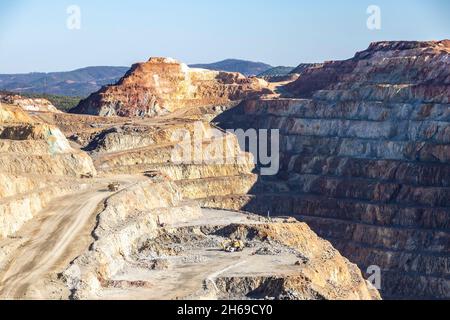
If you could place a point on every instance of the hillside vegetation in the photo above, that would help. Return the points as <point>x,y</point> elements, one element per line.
<point>248,68</point>
<point>76,83</point>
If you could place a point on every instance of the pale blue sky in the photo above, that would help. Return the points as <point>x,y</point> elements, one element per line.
<point>34,37</point>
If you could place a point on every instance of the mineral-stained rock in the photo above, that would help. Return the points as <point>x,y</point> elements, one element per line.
<point>394,71</point>
<point>163,85</point>
<point>151,238</point>
<point>365,161</point>
<point>324,273</point>
<point>29,104</point>
<point>151,210</point>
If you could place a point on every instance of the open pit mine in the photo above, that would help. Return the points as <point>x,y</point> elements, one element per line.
<point>94,204</point>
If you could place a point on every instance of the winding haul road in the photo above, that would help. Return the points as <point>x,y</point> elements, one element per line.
<point>52,239</point>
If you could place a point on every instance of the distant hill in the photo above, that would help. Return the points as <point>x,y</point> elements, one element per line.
<point>248,68</point>
<point>276,72</point>
<point>76,83</point>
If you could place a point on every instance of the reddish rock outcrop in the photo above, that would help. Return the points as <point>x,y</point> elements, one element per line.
<point>163,85</point>
<point>365,152</point>
<point>398,71</point>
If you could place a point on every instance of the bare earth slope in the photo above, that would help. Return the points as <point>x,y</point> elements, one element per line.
<point>151,235</point>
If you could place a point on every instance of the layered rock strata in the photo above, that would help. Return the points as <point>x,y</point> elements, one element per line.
<point>37,163</point>
<point>153,233</point>
<point>205,173</point>
<point>150,241</point>
<point>365,149</point>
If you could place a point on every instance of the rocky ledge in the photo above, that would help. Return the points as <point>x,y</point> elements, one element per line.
<point>365,147</point>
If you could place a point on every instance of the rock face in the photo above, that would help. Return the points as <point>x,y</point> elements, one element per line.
<point>29,104</point>
<point>163,85</point>
<point>393,71</point>
<point>155,234</point>
<point>37,164</point>
<point>153,240</point>
<point>366,161</point>
<point>127,219</point>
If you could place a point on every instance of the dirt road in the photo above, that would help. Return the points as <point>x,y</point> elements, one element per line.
<point>51,240</point>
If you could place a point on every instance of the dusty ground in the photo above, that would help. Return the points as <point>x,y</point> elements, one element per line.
<point>49,242</point>
<point>63,231</point>
<point>188,260</point>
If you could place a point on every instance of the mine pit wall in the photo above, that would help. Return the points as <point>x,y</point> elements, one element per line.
<point>37,164</point>
<point>27,187</point>
<point>221,173</point>
<point>371,177</point>
<point>128,219</point>
<point>30,181</point>
<point>22,208</point>
<point>118,139</point>
<point>327,276</point>
<point>134,216</point>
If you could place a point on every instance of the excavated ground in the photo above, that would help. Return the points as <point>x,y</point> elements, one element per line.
<point>47,244</point>
<point>151,240</point>
<point>186,262</point>
<point>364,161</point>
